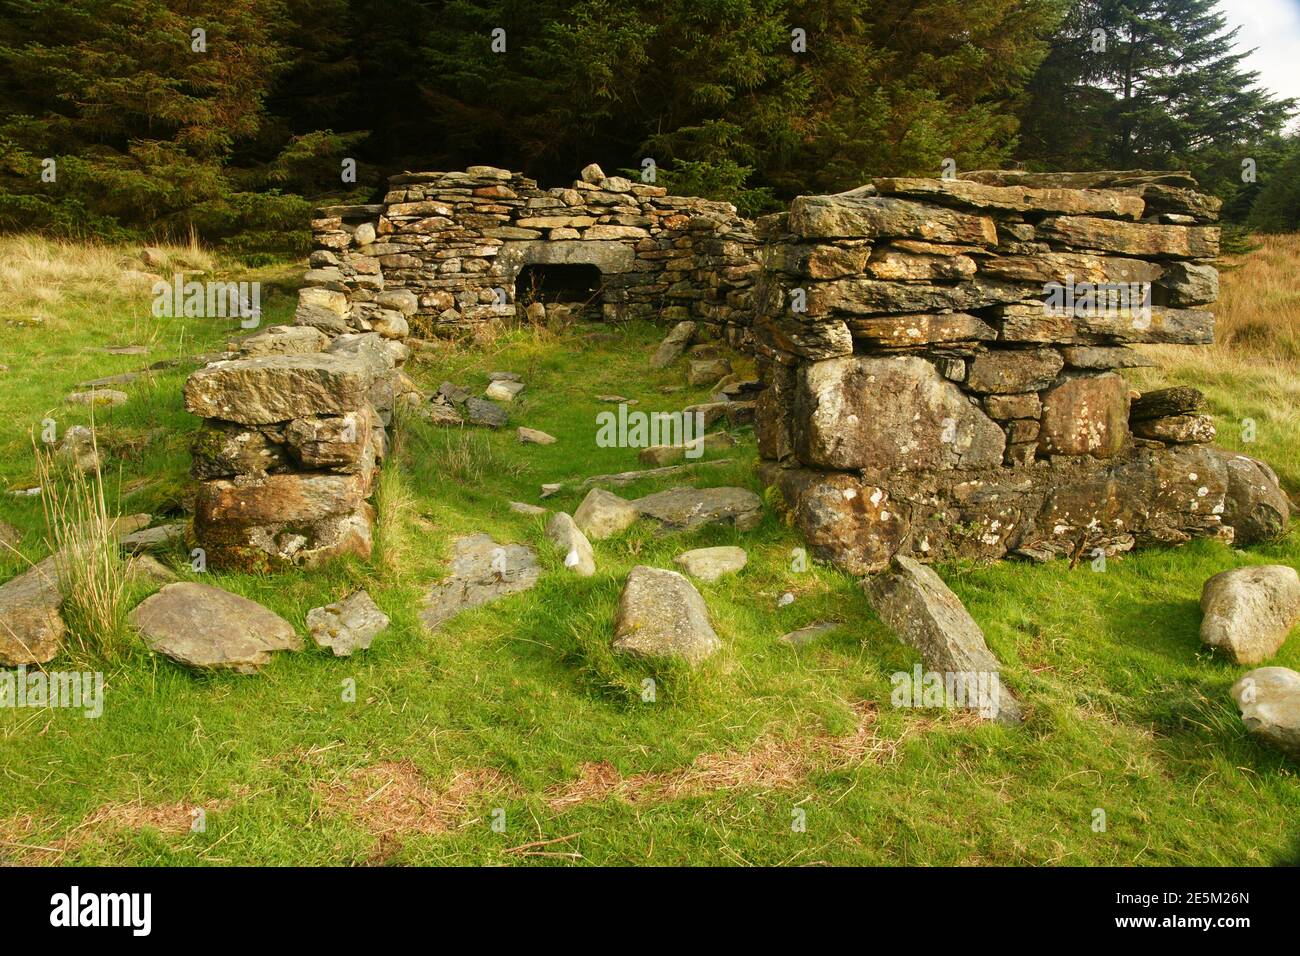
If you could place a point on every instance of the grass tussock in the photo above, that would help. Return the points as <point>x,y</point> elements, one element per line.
<point>82,533</point>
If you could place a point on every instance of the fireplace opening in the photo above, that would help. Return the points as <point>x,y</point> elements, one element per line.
<point>575,285</point>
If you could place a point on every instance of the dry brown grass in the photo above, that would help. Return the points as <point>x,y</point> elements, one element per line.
<point>24,840</point>
<point>773,763</point>
<point>1257,318</point>
<point>38,276</point>
<point>395,797</point>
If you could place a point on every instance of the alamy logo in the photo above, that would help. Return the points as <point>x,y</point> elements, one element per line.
<point>626,429</point>
<point>83,690</point>
<point>208,300</point>
<point>959,690</point>
<point>1099,299</point>
<point>75,908</point>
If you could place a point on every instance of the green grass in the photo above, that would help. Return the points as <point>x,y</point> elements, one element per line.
<point>1127,712</point>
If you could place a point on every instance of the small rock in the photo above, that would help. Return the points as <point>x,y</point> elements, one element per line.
<point>210,629</point>
<point>98,396</point>
<point>531,436</point>
<point>1249,611</point>
<point>709,564</point>
<point>603,514</point>
<point>481,571</point>
<point>504,377</point>
<point>681,509</point>
<point>154,539</point>
<point>573,544</point>
<point>78,449</point>
<point>1269,700</point>
<point>454,393</point>
<point>592,173</point>
<point>153,257</point>
<point>661,615</point>
<point>149,568</point>
<point>442,412</point>
<point>785,600</point>
<point>616,399</point>
<point>503,391</point>
<point>480,412</point>
<point>125,378</point>
<point>127,350</point>
<point>806,635</point>
<point>348,625</point>
<point>660,455</point>
<point>523,508</point>
<point>550,489</point>
<point>707,371</point>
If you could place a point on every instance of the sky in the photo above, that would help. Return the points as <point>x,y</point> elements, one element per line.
<point>1273,28</point>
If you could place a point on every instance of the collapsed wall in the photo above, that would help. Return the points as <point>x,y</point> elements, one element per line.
<point>940,365</point>
<point>446,252</point>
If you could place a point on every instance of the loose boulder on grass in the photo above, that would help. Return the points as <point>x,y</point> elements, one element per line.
<point>1249,611</point>
<point>923,612</point>
<point>709,564</point>
<point>604,514</point>
<point>572,543</point>
<point>661,615</point>
<point>210,629</point>
<point>531,436</point>
<point>683,509</point>
<point>1269,700</point>
<point>503,391</point>
<point>31,627</point>
<point>347,626</point>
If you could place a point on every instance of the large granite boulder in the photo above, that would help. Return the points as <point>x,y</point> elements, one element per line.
<point>1248,612</point>
<point>278,388</point>
<point>858,216</point>
<point>683,509</point>
<point>210,629</point>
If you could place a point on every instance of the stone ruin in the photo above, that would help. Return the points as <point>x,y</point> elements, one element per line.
<point>940,360</point>
<point>938,377</point>
<point>449,252</point>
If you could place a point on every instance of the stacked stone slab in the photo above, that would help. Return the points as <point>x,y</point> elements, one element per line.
<point>933,391</point>
<point>292,437</point>
<point>444,250</point>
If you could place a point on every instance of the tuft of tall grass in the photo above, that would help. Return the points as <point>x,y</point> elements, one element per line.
<point>83,536</point>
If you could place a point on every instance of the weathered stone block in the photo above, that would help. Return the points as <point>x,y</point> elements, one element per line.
<point>894,413</point>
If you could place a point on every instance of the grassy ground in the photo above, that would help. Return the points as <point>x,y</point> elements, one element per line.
<point>516,713</point>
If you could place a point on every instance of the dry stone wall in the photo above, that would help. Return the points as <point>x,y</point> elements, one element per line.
<point>444,251</point>
<point>940,360</point>
<point>292,438</point>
